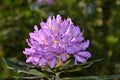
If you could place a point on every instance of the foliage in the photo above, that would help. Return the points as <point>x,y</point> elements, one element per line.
<point>45,72</point>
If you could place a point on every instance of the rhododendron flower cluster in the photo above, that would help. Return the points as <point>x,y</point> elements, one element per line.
<point>55,42</point>
<point>45,1</point>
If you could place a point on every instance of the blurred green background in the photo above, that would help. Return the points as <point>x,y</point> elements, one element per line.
<point>100,20</point>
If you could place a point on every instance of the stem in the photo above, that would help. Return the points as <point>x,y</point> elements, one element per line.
<point>57,77</point>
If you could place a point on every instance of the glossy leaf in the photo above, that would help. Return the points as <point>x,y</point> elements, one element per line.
<point>24,68</point>
<point>72,68</point>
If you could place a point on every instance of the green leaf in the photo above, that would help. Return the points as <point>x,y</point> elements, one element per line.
<point>12,65</point>
<point>72,68</point>
<point>78,68</point>
<point>23,68</point>
<point>45,69</point>
<point>102,77</point>
<point>30,77</point>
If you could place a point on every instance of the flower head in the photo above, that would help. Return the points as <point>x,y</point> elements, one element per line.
<point>55,42</point>
<point>50,2</point>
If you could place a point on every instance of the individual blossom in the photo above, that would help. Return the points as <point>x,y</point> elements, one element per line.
<point>55,42</point>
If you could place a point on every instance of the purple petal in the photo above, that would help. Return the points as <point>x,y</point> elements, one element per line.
<point>55,49</point>
<point>44,25</point>
<point>58,18</point>
<point>36,59</point>
<point>28,51</point>
<point>69,50</point>
<point>47,35</point>
<point>77,40</point>
<point>80,59</point>
<point>49,56</point>
<point>73,48</point>
<point>29,44</point>
<point>34,36</point>
<point>63,57</point>
<point>54,29</point>
<point>85,45</point>
<point>75,62</point>
<point>69,30</point>
<point>42,62</point>
<point>36,28</point>
<point>69,20</point>
<point>29,59</point>
<point>52,62</point>
<point>84,54</point>
<point>76,31</point>
<point>63,27</point>
<point>76,47</point>
<point>49,20</point>
<point>46,32</point>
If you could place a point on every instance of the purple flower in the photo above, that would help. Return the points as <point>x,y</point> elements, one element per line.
<point>50,2</point>
<point>55,41</point>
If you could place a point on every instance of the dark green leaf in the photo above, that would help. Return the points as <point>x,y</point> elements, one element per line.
<point>102,77</point>
<point>24,68</point>
<point>70,68</point>
<point>78,68</point>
